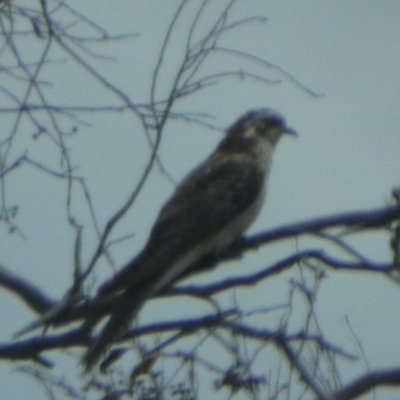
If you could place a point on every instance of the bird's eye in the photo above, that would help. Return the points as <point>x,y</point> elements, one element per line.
<point>274,122</point>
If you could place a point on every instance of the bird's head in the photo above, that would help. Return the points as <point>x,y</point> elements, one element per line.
<point>253,128</point>
<point>265,122</point>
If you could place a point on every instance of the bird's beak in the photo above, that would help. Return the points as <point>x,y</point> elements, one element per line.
<point>290,131</point>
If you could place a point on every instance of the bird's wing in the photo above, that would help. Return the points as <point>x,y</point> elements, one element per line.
<point>209,199</point>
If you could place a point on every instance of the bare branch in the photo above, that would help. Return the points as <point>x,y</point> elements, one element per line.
<point>26,291</point>
<point>368,382</point>
<point>373,219</point>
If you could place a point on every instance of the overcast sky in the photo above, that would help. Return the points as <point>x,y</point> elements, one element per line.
<point>347,156</point>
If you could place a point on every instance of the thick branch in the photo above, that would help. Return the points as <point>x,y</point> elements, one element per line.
<point>371,219</point>
<point>280,266</point>
<point>387,377</point>
<point>31,349</point>
<point>29,293</point>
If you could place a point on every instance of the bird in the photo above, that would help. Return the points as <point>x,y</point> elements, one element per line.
<point>210,209</point>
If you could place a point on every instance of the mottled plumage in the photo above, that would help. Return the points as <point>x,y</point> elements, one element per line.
<point>211,208</point>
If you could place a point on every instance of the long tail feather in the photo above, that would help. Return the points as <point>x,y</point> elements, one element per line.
<point>127,309</point>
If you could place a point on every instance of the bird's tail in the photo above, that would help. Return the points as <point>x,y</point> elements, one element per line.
<point>127,308</point>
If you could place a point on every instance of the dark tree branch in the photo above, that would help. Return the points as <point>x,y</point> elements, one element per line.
<point>371,219</point>
<point>32,296</point>
<point>30,349</point>
<point>280,266</point>
<point>370,381</point>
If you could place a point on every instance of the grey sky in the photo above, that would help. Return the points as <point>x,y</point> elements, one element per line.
<point>346,158</point>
